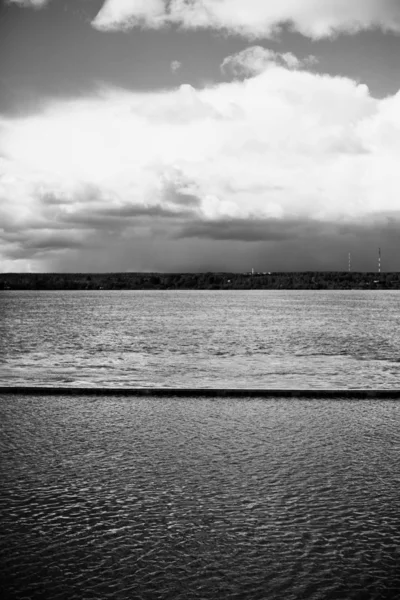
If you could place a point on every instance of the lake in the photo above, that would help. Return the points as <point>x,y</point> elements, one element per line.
<point>258,339</point>
<point>187,498</point>
<point>151,497</point>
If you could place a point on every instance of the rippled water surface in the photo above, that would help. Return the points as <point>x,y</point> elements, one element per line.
<point>177,498</point>
<point>281,339</point>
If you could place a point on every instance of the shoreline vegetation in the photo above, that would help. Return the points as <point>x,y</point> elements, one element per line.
<point>308,280</point>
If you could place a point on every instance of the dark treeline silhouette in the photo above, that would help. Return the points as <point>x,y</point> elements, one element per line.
<point>315,280</point>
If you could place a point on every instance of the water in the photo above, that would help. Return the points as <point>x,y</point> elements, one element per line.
<point>274,339</point>
<point>150,498</point>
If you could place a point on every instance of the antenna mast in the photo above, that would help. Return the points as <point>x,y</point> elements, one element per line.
<point>379,260</point>
<point>349,262</point>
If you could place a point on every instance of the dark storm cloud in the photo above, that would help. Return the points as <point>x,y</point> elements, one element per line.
<point>145,211</point>
<point>54,242</point>
<point>31,244</point>
<point>59,229</point>
<point>251,229</point>
<point>123,217</point>
<point>187,242</point>
<point>275,230</point>
<point>237,245</point>
<point>173,195</point>
<point>327,251</point>
<point>87,209</point>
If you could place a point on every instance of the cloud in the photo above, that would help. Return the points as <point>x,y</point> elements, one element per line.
<point>125,14</point>
<point>252,229</point>
<point>175,66</point>
<point>254,18</point>
<point>30,3</point>
<point>256,59</point>
<point>54,242</point>
<point>270,159</point>
<point>250,18</point>
<point>322,247</point>
<point>124,217</point>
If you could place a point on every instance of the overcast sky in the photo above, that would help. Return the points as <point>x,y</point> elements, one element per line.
<point>199,135</point>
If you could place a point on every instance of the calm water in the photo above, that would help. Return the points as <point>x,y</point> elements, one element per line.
<point>197,498</point>
<point>282,339</point>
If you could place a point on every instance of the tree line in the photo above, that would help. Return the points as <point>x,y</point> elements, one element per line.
<point>316,280</point>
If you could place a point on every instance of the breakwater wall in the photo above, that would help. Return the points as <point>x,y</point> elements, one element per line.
<point>204,392</point>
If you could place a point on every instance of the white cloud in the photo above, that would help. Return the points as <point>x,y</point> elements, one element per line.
<point>285,144</point>
<point>175,65</point>
<point>256,59</point>
<point>251,18</point>
<point>124,14</point>
<point>30,3</point>
<point>254,18</point>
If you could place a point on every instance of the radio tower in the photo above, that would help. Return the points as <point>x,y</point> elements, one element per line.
<point>379,260</point>
<point>349,262</point>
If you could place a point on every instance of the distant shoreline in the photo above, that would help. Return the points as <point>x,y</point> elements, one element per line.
<point>308,280</point>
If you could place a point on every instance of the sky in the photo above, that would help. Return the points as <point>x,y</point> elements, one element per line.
<point>199,135</point>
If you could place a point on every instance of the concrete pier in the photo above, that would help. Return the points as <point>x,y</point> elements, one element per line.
<point>203,392</point>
